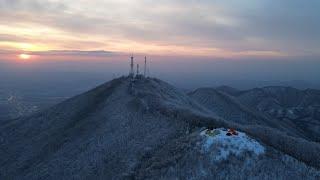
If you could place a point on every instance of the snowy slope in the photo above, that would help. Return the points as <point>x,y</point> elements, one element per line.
<point>221,146</point>
<point>231,109</point>
<point>122,126</point>
<point>236,109</point>
<point>198,156</point>
<point>101,133</point>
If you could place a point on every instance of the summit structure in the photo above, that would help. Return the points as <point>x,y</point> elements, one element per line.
<point>145,66</point>
<point>131,73</point>
<point>138,74</point>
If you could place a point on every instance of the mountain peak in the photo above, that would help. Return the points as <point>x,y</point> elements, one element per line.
<point>128,127</point>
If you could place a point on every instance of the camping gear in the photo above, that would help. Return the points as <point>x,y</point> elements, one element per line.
<point>232,132</point>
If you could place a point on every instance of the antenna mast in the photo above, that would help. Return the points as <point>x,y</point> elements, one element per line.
<point>131,67</point>
<point>145,66</point>
<point>137,69</point>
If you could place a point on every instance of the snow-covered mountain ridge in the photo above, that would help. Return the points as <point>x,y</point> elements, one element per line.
<point>147,129</point>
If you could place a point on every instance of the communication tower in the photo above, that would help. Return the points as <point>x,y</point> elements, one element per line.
<point>145,66</point>
<point>131,67</point>
<point>137,69</point>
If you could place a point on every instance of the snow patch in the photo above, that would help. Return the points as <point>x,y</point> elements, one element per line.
<point>220,146</point>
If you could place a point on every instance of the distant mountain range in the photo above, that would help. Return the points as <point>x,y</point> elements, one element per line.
<point>145,128</point>
<point>289,106</point>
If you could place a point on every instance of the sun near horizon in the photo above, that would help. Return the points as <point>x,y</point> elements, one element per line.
<point>24,56</point>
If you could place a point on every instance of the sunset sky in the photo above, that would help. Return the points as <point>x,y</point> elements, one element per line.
<point>210,28</point>
<point>188,42</point>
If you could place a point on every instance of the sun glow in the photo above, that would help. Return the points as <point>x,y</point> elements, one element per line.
<point>24,56</point>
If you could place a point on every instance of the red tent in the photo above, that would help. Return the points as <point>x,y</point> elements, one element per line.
<point>232,131</point>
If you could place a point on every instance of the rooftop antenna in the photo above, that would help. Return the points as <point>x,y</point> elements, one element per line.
<point>131,66</point>
<point>145,66</point>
